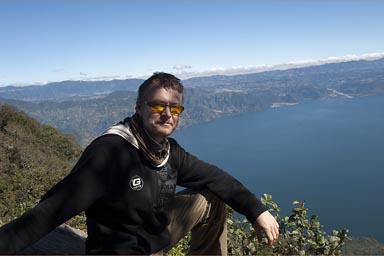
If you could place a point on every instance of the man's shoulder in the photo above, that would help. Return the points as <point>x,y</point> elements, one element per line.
<point>108,140</point>
<point>177,151</point>
<point>108,147</point>
<point>174,144</point>
<point>172,141</point>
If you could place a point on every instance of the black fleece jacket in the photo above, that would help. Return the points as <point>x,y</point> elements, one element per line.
<point>125,199</point>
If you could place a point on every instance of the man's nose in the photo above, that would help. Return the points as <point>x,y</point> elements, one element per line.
<point>167,111</point>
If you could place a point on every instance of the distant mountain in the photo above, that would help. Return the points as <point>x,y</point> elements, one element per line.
<point>85,109</point>
<point>344,76</point>
<point>324,75</point>
<point>84,119</point>
<point>68,90</point>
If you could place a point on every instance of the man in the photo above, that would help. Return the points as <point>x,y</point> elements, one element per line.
<point>125,182</point>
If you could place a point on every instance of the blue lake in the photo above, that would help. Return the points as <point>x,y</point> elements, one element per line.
<point>328,153</point>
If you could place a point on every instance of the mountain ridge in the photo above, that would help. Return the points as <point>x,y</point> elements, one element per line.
<point>70,89</point>
<point>86,112</point>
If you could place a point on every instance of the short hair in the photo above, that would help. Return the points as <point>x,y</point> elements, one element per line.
<point>159,80</point>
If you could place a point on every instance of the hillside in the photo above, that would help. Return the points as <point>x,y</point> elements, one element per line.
<point>33,157</point>
<point>363,246</point>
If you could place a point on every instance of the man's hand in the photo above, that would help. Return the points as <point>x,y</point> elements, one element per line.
<point>267,223</point>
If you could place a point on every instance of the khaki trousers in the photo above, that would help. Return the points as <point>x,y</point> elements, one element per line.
<point>204,214</point>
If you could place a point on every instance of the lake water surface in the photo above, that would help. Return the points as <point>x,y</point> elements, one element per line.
<point>328,153</point>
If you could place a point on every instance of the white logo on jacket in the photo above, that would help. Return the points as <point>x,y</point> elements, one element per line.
<point>136,183</point>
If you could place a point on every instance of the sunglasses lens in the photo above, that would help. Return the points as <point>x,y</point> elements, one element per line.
<point>157,108</point>
<point>176,110</point>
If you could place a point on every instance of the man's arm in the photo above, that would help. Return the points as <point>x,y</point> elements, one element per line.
<point>196,174</point>
<point>66,199</point>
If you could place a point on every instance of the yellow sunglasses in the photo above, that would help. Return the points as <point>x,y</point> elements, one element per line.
<point>157,107</point>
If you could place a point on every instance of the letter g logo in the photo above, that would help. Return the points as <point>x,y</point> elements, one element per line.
<point>136,183</point>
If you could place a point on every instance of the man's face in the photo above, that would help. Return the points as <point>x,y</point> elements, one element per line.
<point>160,125</point>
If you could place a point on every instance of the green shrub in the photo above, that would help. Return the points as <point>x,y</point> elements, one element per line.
<point>299,235</point>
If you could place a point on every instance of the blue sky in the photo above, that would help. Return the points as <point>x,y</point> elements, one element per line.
<point>54,40</point>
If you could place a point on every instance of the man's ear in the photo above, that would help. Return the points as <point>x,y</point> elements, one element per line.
<point>138,109</point>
